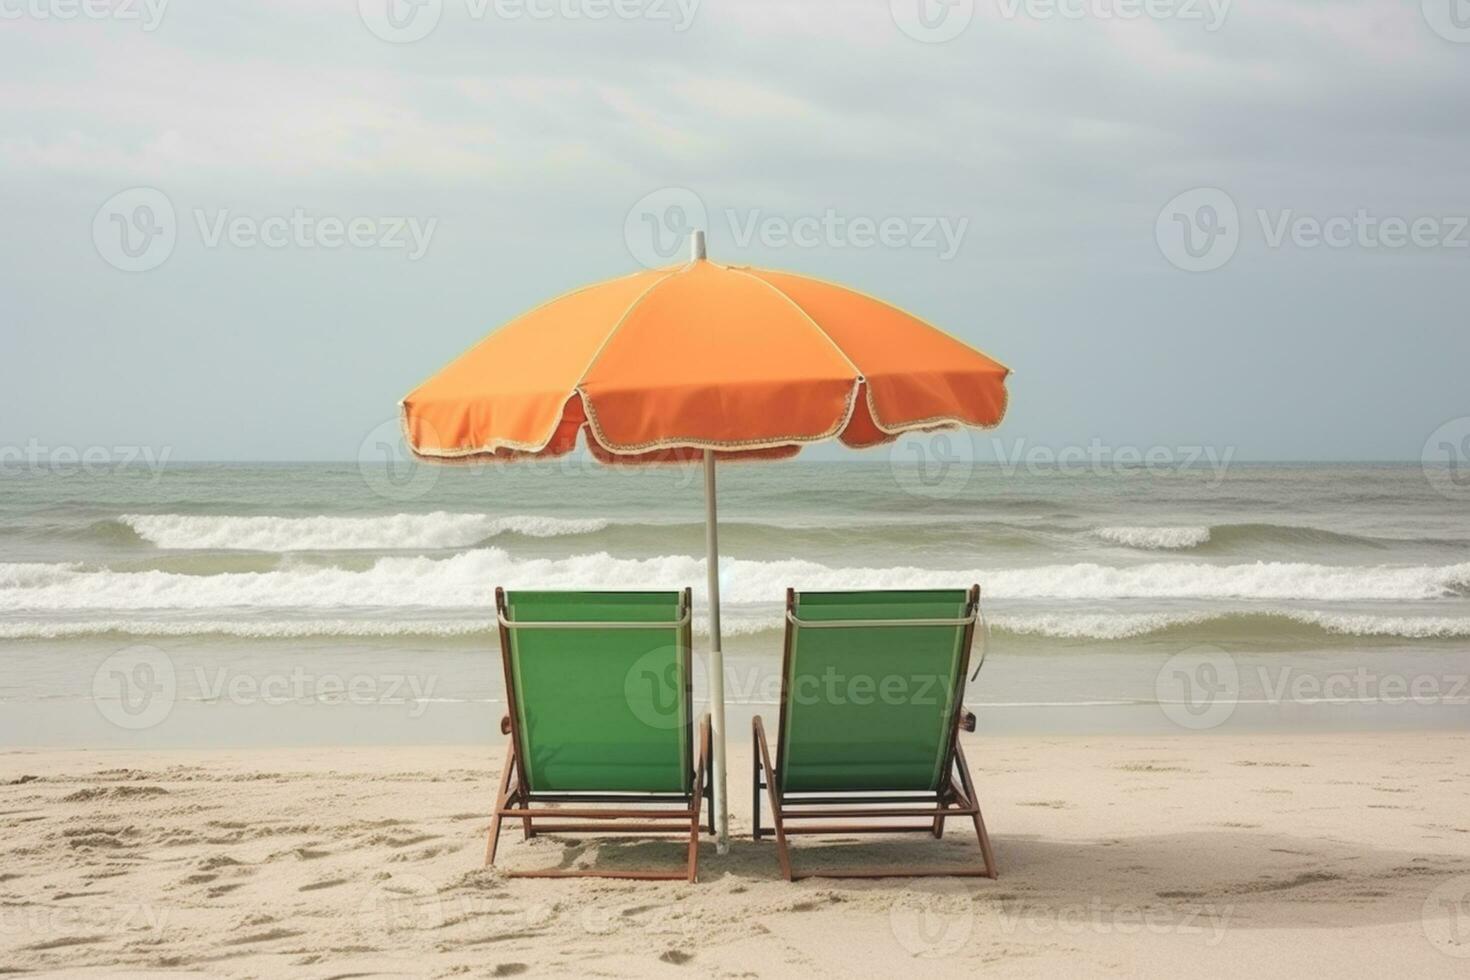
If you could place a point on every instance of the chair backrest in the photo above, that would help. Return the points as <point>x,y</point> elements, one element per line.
<point>599,702</point>
<point>871,688</point>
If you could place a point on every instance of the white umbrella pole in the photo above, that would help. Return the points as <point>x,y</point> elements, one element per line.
<point>716,656</point>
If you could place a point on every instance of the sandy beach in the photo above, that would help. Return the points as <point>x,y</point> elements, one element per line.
<point>1212,854</point>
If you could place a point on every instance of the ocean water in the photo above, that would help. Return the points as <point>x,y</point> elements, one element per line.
<point>1321,590</point>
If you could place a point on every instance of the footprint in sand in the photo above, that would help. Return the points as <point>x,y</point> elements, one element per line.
<point>319,885</point>
<point>264,937</point>
<point>64,941</point>
<point>217,862</point>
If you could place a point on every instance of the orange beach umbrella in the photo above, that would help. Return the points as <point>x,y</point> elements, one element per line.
<point>700,361</point>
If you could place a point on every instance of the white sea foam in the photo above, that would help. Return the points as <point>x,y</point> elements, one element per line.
<point>1066,626</point>
<point>465,580</point>
<point>395,531</point>
<point>1123,626</point>
<point>1411,627</point>
<point>1093,626</point>
<point>24,575</point>
<point>269,629</point>
<point>1154,538</point>
<point>244,628</point>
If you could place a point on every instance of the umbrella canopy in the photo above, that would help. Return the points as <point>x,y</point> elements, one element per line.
<point>702,360</point>
<point>668,363</point>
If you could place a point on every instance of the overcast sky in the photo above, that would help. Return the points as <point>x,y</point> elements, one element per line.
<point>243,229</point>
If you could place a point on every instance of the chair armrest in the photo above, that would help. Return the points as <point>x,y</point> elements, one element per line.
<point>505,725</point>
<point>967,719</point>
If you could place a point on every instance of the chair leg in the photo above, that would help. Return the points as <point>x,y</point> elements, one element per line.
<point>755,789</point>
<point>709,788</point>
<point>938,828</point>
<point>697,799</point>
<point>693,858</point>
<point>783,854</point>
<point>527,832</point>
<point>494,837</point>
<point>980,831</point>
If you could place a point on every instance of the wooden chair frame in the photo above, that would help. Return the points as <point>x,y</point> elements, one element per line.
<point>955,798</point>
<point>649,813</point>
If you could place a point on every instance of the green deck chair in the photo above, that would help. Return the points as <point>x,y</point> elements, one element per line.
<point>598,688</point>
<point>871,708</point>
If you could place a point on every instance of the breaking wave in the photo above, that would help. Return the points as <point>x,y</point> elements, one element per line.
<point>465,581</point>
<point>383,533</point>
